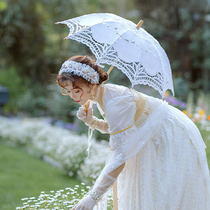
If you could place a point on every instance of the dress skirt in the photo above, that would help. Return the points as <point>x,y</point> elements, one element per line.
<point>168,173</point>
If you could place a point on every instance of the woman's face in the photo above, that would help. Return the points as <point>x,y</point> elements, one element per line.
<point>80,94</point>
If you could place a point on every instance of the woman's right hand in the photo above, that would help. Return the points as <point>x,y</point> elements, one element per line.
<point>85,116</point>
<point>87,203</point>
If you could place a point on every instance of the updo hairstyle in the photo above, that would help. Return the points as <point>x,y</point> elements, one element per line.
<point>65,78</point>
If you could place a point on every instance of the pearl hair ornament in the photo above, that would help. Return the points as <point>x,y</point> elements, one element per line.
<point>80,69</point>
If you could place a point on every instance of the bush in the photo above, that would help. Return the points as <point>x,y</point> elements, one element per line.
<point>16,86</point>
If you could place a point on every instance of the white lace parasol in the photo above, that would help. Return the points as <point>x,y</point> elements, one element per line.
<point>116,41</point>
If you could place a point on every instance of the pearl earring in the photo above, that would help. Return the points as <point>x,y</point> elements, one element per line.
<point>92,94</point>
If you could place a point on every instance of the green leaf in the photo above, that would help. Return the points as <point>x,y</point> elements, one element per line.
<point>3,5</point>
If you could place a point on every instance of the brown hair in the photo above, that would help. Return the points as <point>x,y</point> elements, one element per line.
<point>64,79</point>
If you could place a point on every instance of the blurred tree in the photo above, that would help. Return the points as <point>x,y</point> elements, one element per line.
<point>183,28</point>
<point>32,42</point>
<point>32,45</point>
<point>22,40</point>
<point>3,5</point>
<point>56,49</point>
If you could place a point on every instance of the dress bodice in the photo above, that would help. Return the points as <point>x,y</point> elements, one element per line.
<point>122,107</point>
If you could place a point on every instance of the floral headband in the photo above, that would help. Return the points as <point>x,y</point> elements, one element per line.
<point>80,69</point>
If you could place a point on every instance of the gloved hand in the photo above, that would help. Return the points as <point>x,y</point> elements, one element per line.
<point>86,117</point>
<point>100,187</point>
<point>87,203</point>
<point>90,120</point>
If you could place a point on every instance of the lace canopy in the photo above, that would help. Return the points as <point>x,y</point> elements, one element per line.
<point>116,41</point>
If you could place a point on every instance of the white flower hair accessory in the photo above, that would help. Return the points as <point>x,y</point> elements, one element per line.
<point>80,69</point>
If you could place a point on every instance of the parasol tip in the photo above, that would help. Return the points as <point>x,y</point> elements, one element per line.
<point>139,24</point>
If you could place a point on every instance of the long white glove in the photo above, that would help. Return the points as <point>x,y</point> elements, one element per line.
<point>102,185</point>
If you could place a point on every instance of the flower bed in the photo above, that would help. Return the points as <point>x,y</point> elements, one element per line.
<point>61,145</point>
<point>199,112</point>
<point>61,199</point>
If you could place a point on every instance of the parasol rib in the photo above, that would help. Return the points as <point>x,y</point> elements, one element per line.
<point>138,27</point>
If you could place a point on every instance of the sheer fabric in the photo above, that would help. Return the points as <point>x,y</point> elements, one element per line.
<point>164,155</point>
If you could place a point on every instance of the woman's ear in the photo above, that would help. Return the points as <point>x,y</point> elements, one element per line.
<point>93,86</point>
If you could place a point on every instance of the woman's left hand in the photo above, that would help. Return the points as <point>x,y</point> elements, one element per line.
<point>87,203</point>
<point>85,116</point>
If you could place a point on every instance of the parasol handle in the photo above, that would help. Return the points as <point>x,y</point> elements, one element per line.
<point>115,203</point>
<point>110,69</point>
<point>138,27</point>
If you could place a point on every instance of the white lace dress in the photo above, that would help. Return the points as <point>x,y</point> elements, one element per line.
<point>165,160</point>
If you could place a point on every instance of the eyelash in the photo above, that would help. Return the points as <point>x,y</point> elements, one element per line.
<point>75,91</point>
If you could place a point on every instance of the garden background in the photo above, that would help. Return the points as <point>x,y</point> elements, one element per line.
<point>38,123</point>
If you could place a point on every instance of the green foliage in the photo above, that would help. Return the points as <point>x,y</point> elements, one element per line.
<point>184,32</point>
<point>16,86</point>
<point>61,106</point>
<point>33,101</point>
<point>30,41</point>
<point>22,39</point>
<point>42,100</point>
<point>3,5</point>
<point>200,48</point>
<point>181,88</point>
<point>206,138</point>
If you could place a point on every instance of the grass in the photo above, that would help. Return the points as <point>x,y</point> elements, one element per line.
<point>206,134</point>
<point>23,175</point>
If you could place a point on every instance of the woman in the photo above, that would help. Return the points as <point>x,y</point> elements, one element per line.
<point>158,155</point>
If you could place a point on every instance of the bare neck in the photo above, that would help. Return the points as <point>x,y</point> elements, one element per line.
<point>100,96</point>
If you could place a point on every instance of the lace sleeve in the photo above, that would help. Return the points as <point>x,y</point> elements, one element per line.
<point>120,113</point>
